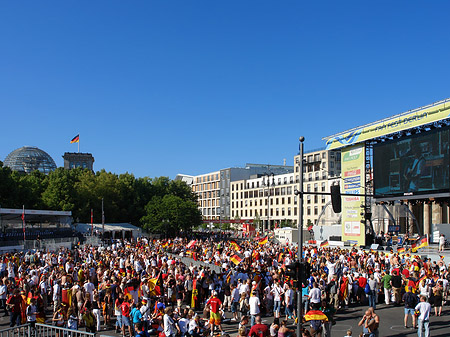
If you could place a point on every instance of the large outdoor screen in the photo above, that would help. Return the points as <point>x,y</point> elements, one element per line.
<point>414,165</point>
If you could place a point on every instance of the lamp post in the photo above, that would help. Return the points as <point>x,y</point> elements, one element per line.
<point>300,237</point>
<point>268,175</point>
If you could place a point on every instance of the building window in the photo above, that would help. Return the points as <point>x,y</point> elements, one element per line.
<point>308,199</point>
<point>289,211</point>
<point>316,210</point>
<point>308,211</point>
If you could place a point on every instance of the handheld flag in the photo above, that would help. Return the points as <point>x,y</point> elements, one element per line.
<point>315,315</point>
<point>236,259</point>
<point>234,245</point>
<point>324,244</point>
<point>401,250</point>
<point>75,139</point>
<point>423,242</point>
<point>263,241</point>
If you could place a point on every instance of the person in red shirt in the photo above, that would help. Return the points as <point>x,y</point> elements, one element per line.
<point>125,308</point>
<point>15,304</point>
<point>215,305</point>
<point>259,329</point>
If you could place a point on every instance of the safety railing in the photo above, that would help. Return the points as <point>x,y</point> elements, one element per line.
<point>42,330</point>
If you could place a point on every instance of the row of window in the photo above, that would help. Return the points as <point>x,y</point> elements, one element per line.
<point>204,179</point>
<point>210,211</point>
<point>205,187</point>
<point>249,213</point>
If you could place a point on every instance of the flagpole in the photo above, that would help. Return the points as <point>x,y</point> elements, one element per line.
<point>78,143</point>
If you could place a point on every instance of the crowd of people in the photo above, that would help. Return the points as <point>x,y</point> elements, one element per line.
<point>142,287</point>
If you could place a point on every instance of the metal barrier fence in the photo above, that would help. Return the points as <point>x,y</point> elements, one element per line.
<point>42,330</point>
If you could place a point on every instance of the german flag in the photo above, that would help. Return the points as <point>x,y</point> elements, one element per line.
<point>414,247</point>
<point>315,315</point>
<point>423,242</point>
<point>263,241</point>
<point>255,255</point>
<point>127,292</point>
<point>236,259</point>
<point>441,257</point>
<point>165,244</point>
<point>234,245</point>
<point>156,285</point>
<point>421,279</point>
<point>401,250</point>
<point>324,244</point>
<point>75,139</point>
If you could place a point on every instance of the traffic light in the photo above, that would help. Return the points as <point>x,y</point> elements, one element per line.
<point>292,270</point>
<point>305,270</point>
<point>336,198</point>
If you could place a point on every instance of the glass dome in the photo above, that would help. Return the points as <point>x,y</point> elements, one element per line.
<point>28,159</point>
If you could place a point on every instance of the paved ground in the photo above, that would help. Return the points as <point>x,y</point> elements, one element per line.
<point>391,323</point>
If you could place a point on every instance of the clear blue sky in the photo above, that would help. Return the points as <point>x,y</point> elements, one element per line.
<point>158,88</point>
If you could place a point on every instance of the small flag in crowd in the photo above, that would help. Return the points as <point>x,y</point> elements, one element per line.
<point>423,242</point>
<point>441,257</point>
<point>75,139</point>
<point>191,244</point>
<point>401,250</point>
<point>234,245</point>
<point>324,244</point>
<point>236,259</point>
<point>263,241</point>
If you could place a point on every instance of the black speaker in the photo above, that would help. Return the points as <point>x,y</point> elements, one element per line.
<point>336,198</point>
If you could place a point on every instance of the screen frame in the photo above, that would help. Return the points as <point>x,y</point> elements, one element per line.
<point>427,194</point>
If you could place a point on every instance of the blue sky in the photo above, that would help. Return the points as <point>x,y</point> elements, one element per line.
<point>156,88</point>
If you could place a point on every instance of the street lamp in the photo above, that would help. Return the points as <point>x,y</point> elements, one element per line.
<point>268,184</point>
<point>300,236</point>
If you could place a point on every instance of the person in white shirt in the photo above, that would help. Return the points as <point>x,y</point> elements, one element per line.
<point>424,318</point>
<point>89,288</point>
<point>289,302</point>
<point>254,304</point>
<point>441,242</point>
<point>3,293</point>
<point>277,292</point>
<point>315,296</point>
<point>56,295</point>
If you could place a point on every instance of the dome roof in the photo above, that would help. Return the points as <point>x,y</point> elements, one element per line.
<point>28,159</point>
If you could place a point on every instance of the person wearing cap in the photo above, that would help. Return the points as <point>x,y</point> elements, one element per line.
<point>215,304</point>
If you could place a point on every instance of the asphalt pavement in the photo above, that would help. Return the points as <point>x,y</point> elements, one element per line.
<point>391,323</point>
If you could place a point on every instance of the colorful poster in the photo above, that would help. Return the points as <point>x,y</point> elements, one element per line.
<point>421,116</point>
<point>352,182</point>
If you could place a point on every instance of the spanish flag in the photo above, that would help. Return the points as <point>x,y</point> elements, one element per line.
<point>401,250</point>
<point>324,244</point>
<point>75,139</point>
<point>263,241</point>
<point>423,242</point>
<point>236,259</point>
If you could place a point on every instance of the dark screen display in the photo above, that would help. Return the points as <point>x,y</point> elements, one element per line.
<point>417,164</point>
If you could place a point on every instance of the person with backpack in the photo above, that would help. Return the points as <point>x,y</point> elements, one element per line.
<point>410,300</point>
